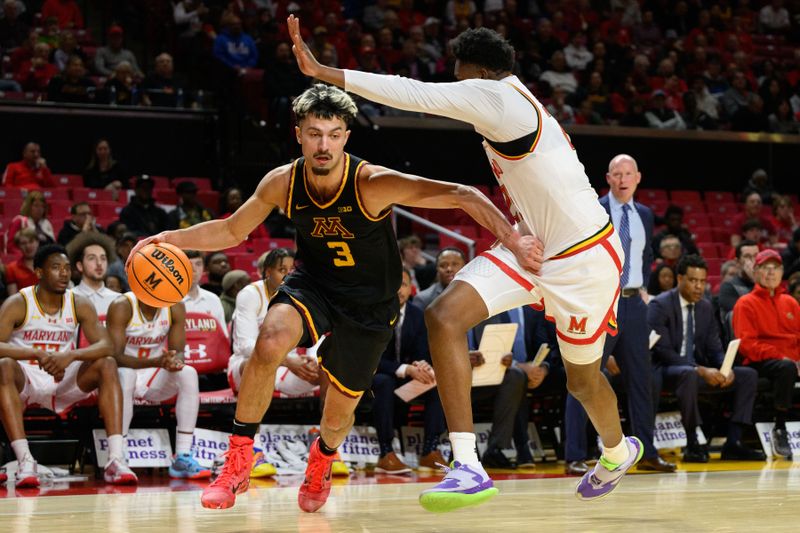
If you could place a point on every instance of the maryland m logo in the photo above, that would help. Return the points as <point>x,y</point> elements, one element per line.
<point>577,327</point>
<point>152,281</point>
<point>330,227</point>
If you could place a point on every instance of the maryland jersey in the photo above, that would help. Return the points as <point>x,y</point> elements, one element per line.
<point>50,333</point>
<point>146,338</point>
<point>341,247</point>
<point>545,184</point>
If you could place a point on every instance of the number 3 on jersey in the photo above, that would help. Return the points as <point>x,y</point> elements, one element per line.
<point>344,258</point>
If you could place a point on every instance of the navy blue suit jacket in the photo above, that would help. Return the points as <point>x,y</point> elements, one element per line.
<point>413,342</point>
<point>665,317</point>
<point>648,220</point>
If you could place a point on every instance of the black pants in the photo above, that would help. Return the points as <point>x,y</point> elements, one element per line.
<point>508,397</point>
<point>386,404</point>
<point>687,384</point>
<point>783,375</point>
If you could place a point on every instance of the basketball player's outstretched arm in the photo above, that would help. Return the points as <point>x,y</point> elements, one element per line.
<point>12,314</point>
<point>99,342</point>
<point>225,233</point>
<point>382,187</point>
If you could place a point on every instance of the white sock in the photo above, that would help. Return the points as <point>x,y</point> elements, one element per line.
<point>464,448</point>
<point>21,450</point>
<point>188,403</point>
<point>617,454</point>
<point>183,442</point>
<point>115,448</point>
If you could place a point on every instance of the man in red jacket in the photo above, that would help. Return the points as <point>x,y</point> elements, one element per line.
<point>31,172</point>
<point>768,323</point>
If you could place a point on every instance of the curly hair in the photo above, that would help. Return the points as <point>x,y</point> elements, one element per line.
<point>485,48</point>
<point>326,102</point>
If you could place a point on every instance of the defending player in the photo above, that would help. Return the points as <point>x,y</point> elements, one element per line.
<point>549,194</point>
<point>140,333</point>
<point>41,366</point>
<point>345,282</point>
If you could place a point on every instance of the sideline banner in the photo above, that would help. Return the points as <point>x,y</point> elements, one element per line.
<point>765,435</point>
<point>144,447</point>
<point>208,444</point>
<point>670,433</point>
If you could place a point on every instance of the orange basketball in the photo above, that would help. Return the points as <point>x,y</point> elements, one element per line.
<point>160,274</point>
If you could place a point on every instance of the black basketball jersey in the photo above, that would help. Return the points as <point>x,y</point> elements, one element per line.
<point>352,255</point>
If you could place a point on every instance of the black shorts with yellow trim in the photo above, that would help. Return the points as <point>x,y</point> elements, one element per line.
<point>356,335</point>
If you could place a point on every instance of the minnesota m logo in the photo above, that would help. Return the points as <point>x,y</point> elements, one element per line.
<point>576,326</point>
<point>329,227</point>
<point>151,281</point>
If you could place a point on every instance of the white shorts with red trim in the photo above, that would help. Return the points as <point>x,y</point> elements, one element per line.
<point>42,390</point>
<point>158,384</point>
<point>578,292</point>
<point>286,382</point>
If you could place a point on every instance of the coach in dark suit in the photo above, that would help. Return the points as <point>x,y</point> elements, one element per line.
<point>633,223</point>
<point>688,357</point>
<point>405,357</point>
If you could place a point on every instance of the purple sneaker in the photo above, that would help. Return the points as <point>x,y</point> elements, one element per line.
<point>462,486</point>
<point>601,480</point>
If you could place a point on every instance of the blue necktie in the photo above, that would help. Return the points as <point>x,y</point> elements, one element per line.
<point>690,334</point>
<point>518,348</point>
<point>625,238</point>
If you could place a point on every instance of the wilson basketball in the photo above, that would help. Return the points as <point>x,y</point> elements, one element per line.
<point>160,274</point>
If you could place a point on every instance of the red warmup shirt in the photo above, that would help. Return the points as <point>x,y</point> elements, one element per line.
<point>769,326</point>
<point>19,174</point>
<point>17,272</point>
<point>66,11</point>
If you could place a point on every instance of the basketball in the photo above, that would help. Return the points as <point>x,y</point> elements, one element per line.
<point>160,274</point>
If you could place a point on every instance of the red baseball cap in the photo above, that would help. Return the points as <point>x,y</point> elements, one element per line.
<point>115,30</point>
<point>768,255</point>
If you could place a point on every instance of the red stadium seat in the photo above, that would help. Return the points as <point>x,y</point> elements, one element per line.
<point>106,210</point>
<point>56,194</point>
<point>714,265</point>
<point>246,262</point>
<point>160,182</point>
<point>694,207</point>
<point>722,209</point>
<point>719,197</point>
<point>702,234</point>
<point>682,196</point>
<point>709,249</point>
<point>658,206</point>
<point>83,194</point>
<point>645,195</point>
<point>722,235</point>
<point>68,180</point>
<point>203,184</point>
<point>58,210</point>
<point>165,196</point>
<point>467,231</point>
<point>696,219</point>
<point>12,193</point>
<point>208,198</point>
<point>9,207</point>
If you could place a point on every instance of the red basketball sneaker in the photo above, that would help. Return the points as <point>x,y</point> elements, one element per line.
<point>317,484</point>
<point>235,476</point>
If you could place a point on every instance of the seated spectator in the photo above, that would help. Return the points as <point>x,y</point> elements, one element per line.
<point>422,271</point>
<point>587,114</point>
<point>730,291</point>
<point>217,265</point>
<point>673,219</point>
<point>103,171</point>
<point>124,245</point>
<point>36,73</point>
<point>635,116</point>
<point>142,216</point>
<point>189,211</point>
<point>121,88</point>
<point>660,117</point>
<point>20,274</point>
<point>283,84</point>
<point>23,52</point>
<point>759,183</point>
<point>161,88</point>
<point>669,250</point>
<point>72,86</point>
<point>448,262</point>
<point>31,172</point>
<point>794,289</point>
<point>116,230</point>
<point>728,271</point>
<point>230,201</point>
<point>406,358</point>
<point>791,255</point>
<point>774,18</point>
<point>706,103</point>
<point>66,12</point>
<point>410,64</point>
<point>458,10</point>
<point>750,117</point>
<point>108,57</point>
<point>737,97</point>
<point>783,119</point>
<point>33,215</point>
<point>752,211</point>
<point>695,117</point>
<point>559,108</point>
<point>233,282</point>
<point>90,255</point>
<point>81,221</point>
<point>234,48</point>
<point>688,357</point>
<point>576,54</point>
<point>661,280</point>
<point>716,81</point>
<point>768,323</point>
<point>13,31</point>
<point>67,47</point>
<point>559,74</point>
<point>50,33</point>
<point>113,283</point>
<point>783,219</point>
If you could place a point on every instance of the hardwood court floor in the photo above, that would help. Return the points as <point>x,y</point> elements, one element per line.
<point>766,498</point>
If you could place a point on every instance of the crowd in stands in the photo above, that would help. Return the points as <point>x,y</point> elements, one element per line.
<point>700,64</point>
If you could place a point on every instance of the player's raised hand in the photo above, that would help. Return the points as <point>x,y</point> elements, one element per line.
<point>142,243</point>
<point>305,59</point>
<point>529,251</point>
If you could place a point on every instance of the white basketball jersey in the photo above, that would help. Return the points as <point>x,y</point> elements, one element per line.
<point>547,185</point>
<point>146,338</point>
<point>260,288</point>
<point>50,333</point>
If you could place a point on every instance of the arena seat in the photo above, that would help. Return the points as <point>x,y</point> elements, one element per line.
<point>208,198</point>
<point>107,210</point>
<point>68,180</point>
<point>693,207</point>
<point>702,234</point>
<point>722,209</point>
<point>10,207</point>
<point>59,209</point>
<point>56,194</point>
<point>684,196</point>
<point>165,196</point>
<point>159,182</point>
<point>203,184</point>
<point>714,266</point>
<point>697,219</point>
<point>82,194</point>
<point>709,250</point>
<point>646,195</point>
<point>719,197</point>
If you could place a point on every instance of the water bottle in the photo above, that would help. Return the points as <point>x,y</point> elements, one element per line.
<point>112,100</point>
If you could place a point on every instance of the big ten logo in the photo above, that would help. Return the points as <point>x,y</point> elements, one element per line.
<point>330,227</point>
<point>345,209</point>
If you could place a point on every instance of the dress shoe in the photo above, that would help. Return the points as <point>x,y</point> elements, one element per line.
<point>494,458</point>
<point>656,464</point>
<point>576,468</point>
<point>525,458</point>
<point>780,443</point>
<point>391,464</point>
<point>430,461</point>
<point>695,453</point>
<point>736,451</point>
